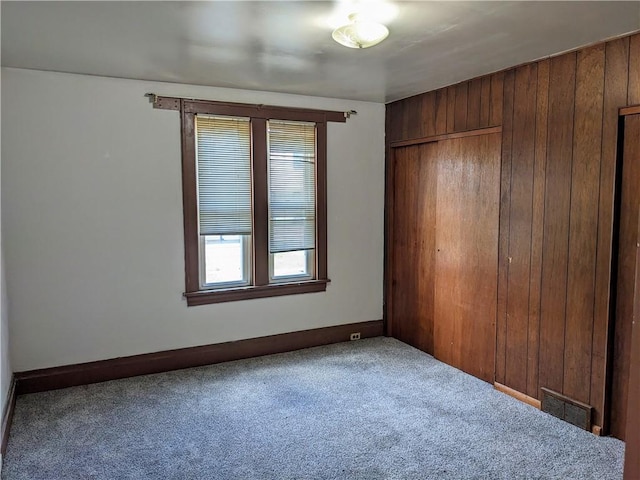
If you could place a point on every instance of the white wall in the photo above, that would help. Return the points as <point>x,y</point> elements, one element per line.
<point>92,222</point>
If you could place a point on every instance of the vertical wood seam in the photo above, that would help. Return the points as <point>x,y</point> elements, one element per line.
<point>508,233</point>
<point>604,415</point>
<point>435,111</point>
<point>626,97</point>
<point>539,186</point>
<point>535,150</point>
<point>544,213</point>
<point>566,286</point>
<point>508,252</point>
<point>466,123</point>
<point>595,264</point>
<point>491,101</point>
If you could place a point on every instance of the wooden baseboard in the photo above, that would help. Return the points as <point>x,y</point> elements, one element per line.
<point>7,415</point>
<point>123,367</point>
<point>534,402</point>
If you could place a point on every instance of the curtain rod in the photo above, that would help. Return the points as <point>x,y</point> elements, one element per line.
<point>173,103</point>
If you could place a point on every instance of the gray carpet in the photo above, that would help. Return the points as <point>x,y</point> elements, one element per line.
<point>373,409</point>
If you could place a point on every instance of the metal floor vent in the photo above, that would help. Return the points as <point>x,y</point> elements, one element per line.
<point>567,409</point>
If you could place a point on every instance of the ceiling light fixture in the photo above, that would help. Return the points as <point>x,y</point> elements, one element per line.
<point>360,33</point>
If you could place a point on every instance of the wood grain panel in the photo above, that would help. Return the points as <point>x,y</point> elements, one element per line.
<point>537,219</point>
<point>413,251</point>
<point>466,258</point>
<point>615,94</point>
<point>403,284</point>
<point>485,102</point>
<point>497,81</point>
<point>520,224</point>
<point>404,119</point>
<point>428,114</point>
<point>473,104</point>
<point>461,107</point>
<point>633,94</point>
<point>632,459</point>
<point>412,117</point>
<point>583,224</point>
<point>626,262</point>
<point>441,111</point>
<point>394,112</point>
<point>503,239</point>
<point>556,221</point>
<point>451,107</point>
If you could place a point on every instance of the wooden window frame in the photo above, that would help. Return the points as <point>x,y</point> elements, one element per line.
<point>259,114</point>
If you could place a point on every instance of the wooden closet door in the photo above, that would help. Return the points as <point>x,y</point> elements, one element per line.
<point>467,253</point>
<point>413,249</point>
<point>444,255</point>
<point>626,265</point>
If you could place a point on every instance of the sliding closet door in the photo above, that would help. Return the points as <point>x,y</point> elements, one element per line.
<point>467,253</point>
<point>413,250</point>
<point>444,250</point>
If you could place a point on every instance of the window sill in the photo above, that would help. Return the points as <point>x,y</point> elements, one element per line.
<point>204,297</point>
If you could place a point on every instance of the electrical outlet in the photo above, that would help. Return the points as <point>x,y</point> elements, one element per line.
<point>355,336</point>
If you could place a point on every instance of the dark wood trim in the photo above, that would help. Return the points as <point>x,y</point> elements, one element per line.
<point>124,367</point>
<point>631,110</point>
<point>190,202</point>
<point>321,201</point>
<point>204,297</point>
<point>388,190</point>
<point>448,136</point>
<point>7,414</point>
<point>388,239</point>
<point>260,201</point>
<point>534,402</point>
<point>247,109</point>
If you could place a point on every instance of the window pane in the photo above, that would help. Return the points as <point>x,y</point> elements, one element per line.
<point>288,264</point>
<point>224,260</point>
<point>292,186</point>
<point>223,157</point>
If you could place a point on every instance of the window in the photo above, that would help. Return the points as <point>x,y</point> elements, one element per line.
<point>291,163</point>
<point>254,194</point>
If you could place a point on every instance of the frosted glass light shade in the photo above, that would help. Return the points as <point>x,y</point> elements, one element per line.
<point>360,33</point>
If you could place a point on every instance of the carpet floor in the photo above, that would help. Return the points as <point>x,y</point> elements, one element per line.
<point>372,409</point>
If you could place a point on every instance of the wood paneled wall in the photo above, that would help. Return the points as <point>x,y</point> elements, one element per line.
<point>559,119</point>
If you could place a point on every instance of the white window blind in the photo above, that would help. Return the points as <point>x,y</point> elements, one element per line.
<point>223,157</point>
<point>292,186</point>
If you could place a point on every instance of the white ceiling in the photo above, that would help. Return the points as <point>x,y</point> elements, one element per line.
<point>287,46</point>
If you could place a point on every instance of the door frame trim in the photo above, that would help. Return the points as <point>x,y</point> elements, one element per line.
<point>446,136</point>
<point>630,110</point>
